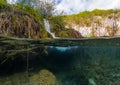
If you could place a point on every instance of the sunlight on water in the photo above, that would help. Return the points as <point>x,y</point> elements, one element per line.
<point>63,48</point>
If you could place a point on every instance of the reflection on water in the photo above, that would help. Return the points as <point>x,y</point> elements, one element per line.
<point>51,65</point>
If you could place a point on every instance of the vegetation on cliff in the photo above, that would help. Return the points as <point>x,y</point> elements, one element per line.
<point>86,18</point>
<point>94,23</point>
<point>58,26</point>
<point>18,21</point>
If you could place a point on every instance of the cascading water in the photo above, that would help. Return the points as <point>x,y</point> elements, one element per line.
<point>47,27</point>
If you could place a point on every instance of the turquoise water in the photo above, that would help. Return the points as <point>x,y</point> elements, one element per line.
<point>57,65</point>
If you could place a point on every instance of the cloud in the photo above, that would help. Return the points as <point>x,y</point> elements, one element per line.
<point>76,6</point>
<point>12,1</point>
<point>58,1</point>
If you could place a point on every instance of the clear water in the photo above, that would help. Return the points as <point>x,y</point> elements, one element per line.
<point>57,65</point>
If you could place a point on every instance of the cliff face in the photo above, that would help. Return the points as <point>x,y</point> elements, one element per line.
<point>18,23</point>
<point>106,27</point>
<point>92,24</point>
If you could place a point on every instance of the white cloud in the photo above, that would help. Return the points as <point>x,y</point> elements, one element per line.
<point>76,6</point>
<point>12,1</point>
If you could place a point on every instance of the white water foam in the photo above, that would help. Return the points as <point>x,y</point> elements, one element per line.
<point>47,27</point>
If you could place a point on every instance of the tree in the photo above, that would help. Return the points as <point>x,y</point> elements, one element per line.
<point>2,1</point>
<point>45,7</point>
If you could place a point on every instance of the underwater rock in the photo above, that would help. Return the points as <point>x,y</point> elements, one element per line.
<point>92,82</point>
<point>44,77</point>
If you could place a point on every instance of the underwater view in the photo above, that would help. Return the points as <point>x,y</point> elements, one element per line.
<point>33,63</point>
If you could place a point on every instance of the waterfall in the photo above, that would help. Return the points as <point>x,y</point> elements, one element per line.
<point>47,27</point>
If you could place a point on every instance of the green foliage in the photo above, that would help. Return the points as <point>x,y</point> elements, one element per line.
<point>86,18</point>
<point>63,34</point>
<point>102,13</point>
<point>30,10</point>
<point>85,14</point>
<point>91,35</point>
<point>46,8</point>
<point>68,33</point>
<point>57,23</point>
<point>24,21</point>
<point>58,26</point>
<point>2,2</point>
<point>20,5</point>
<point>33,12</point>
<point>4,6</point>
<point>81,18</point>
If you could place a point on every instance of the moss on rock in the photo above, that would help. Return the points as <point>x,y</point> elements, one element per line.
<point>44,77</point>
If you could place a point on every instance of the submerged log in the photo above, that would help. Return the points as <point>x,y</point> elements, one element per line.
<point>11,48</point>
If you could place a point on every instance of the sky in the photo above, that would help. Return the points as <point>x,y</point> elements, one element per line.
<point>76,6</point>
